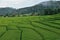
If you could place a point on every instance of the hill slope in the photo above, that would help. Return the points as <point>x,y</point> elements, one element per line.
<point>30,28</point>
<point>7,10</point>
<point>38,8</point>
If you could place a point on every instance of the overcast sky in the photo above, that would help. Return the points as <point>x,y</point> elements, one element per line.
<point>19,3</point>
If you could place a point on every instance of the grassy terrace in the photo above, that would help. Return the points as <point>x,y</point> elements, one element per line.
<point>30,28</point>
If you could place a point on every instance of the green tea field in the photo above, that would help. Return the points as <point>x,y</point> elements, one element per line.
<point>30,28</point>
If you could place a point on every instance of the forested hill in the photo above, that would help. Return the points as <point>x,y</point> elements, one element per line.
<point>7,11</point>
<point>40,8</point>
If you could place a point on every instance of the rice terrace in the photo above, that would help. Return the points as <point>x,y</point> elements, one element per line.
<point>30,28</point>
<point>40,21</point>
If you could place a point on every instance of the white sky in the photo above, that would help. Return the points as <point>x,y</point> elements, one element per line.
<point>19,3</point>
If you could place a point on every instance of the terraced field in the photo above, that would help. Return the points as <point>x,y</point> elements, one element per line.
<point>30,28</point>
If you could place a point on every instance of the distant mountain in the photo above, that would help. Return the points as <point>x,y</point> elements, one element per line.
<point>38,9</point>
<point>49,4</point>
<point>7,10</point>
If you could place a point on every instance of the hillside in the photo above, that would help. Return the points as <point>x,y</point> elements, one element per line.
<point>39,9</point>
<point>7,11</point>
<point>30,28</point>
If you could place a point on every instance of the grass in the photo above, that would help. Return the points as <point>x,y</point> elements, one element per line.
<point>30,28</point>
